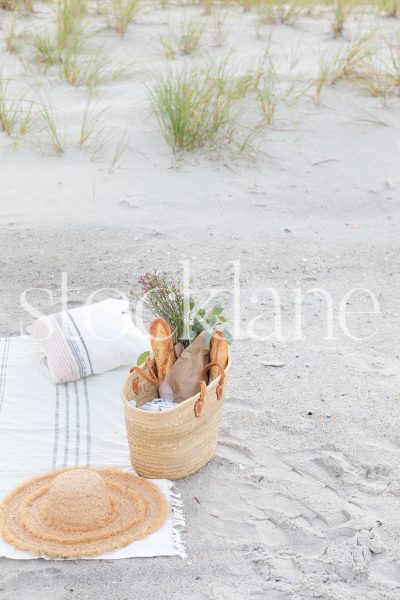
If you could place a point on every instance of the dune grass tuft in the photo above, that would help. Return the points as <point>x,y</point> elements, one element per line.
<point>277,11</point>
<point>46,51</point>
<point>66,48</point>
<point>380,75</point>
<point>56,139</point>
<point>272,93</point>
<point>89,71</point>
<point>12,38</point>
<point>69,17</point>
<point>346,64</point>
<point>325,76</point>
<point>217,108</point>
<point>11,5</point>
<point>391,8</point>
<point>120,14</point>
<point>195,107</point>
<point>91,122</point>
<point>119,150</point>
<point>191,32</point>
<point>68,40</point>
<point>185,41</point>
<point>220,30</point>
<point>15,112</point>
<point>341,12</point>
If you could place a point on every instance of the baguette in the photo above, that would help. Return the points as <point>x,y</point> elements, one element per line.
<point>218,353</point>
<point>163,348</point>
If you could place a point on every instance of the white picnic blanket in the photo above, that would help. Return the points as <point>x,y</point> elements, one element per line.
<point>45,426</point>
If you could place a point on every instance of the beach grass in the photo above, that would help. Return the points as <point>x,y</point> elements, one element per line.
<point>46,51</point>
<point>218,108</point>
<point>341,11</point>
<point>201,102</point>
<point>189,109</point>
<point>15,112</point>
<point>271,94</point>
<point>91,122</point>
<point>69,15</point>
<point>220,28</point>
<point>68,40</point>
<point>380,75</point>
<point>13,5</point>
<point>195,107</point>
<point>120,14</point>
<point>191,32</point>
<point>184,40</point>
<point>117,156</point>
<point>390,8</point>
<point>12,38</point>
<point>56,138</point>
<point>278,11</point>
<point>349,63</point>
<point>92,71</point>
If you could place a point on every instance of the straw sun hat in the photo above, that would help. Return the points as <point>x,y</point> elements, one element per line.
<point>81,512</point>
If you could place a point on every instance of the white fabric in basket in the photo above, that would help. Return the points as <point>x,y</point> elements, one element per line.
<point>45,426</point>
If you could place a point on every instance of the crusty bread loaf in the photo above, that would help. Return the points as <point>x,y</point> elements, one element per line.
<point>163,347</point>
<point>218,353</point>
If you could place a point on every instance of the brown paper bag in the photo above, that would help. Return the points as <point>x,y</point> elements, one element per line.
<point>182,382</point>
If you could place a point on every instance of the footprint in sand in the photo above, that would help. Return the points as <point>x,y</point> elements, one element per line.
<point>235,453</point>
<point>380,365</point>
<point>241,404</point>
<point>249,530</point>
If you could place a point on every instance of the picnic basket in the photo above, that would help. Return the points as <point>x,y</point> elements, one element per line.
<point>178,442</point>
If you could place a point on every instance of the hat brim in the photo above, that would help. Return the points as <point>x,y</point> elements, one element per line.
<point>138,509</point>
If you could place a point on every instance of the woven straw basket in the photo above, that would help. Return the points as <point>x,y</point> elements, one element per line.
<point>178,442</point>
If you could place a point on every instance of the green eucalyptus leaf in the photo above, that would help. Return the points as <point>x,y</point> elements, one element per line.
<point>228,336</point>
<point>142,358</point>
<point>197,326</point>
<point>217,310</point>
<point>207,340</point>
<point>201,312</point>
<point>191,303</point>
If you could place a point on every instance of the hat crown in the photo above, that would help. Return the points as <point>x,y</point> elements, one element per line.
<point>78,498</point>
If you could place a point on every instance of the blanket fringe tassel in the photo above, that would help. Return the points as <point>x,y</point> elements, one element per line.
<point>178,522</point>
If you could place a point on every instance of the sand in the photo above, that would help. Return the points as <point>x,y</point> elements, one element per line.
<point>302,499</point>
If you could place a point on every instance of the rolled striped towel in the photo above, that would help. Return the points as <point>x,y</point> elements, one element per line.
<point>89,340</point>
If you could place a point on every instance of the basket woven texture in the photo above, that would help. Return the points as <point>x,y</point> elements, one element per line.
<point>178,442</point>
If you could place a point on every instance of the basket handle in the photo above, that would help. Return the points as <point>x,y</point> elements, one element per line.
<point>198,406</point>
<point>150,377</point>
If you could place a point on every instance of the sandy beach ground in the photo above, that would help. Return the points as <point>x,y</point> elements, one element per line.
<point>302,500</point>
